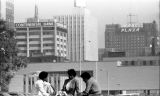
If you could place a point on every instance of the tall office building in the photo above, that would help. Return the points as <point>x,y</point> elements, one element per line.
<point>42,39</point>
<point>133,39</point>
<point>82,35</point>
<point>7,12</point>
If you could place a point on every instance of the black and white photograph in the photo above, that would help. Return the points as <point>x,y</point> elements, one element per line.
<point>79,47</point>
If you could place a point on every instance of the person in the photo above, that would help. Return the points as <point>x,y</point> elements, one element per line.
<point>92,86</point>
<point>49,88</point>
<point>41,85</point>
<point>71,85</point>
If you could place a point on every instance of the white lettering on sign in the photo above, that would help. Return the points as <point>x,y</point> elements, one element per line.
<point>133,25</point>
<point>34,24</point>
<point>131,28</point>
<point>48,24</point>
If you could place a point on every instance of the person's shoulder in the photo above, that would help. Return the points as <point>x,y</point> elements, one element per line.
<point>38,81</point>
<point>47,83</point>
<point>75,79</point>
<point>92,80</point>
<point>66,80</point>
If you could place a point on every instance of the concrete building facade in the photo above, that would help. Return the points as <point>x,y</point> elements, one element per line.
<point>41,39</point>
<point>7,12</point>
<point>82,35</point>
<point>132,39</point>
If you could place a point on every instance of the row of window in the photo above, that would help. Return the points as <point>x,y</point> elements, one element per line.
<point>36,45</point>
<point>58,39</point>
<point>35,29</point>
<point>36,39</point>
<point>61,33</point>
<point>35,33</point>
<point>61,52</point>
<point>62,46</point>
<point>141,63</point>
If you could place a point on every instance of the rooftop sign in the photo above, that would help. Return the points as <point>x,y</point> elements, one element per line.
<point>131,28</point>
<point>39,24</point>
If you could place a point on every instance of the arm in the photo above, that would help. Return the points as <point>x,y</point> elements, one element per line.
<point>51,89</point>
<point>88,87</point>
<point>64,86</point>
<point>41,89</point>
<point>77,86</point>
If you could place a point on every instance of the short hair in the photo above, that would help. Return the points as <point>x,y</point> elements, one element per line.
<point>71,72</point>
<point>85,75</point>
<point>43,75</point>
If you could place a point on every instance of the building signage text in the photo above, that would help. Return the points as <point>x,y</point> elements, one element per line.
<point>37,24</point>
<point>131,28</point>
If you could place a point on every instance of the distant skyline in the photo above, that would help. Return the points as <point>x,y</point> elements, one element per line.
<point>106,11</point>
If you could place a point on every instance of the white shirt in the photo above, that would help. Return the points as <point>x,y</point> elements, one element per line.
<point>48,88</point>
<point>39,88</point>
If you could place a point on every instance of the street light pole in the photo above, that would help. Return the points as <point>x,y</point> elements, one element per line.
<point>108,82</point>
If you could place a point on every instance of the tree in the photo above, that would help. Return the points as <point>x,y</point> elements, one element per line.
<point>9,61</point>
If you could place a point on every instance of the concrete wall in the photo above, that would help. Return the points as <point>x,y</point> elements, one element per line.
<point>108,74</point>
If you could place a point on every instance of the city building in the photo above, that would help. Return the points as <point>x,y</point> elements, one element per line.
<point>82,35</point>
<point>112,76</point>
<point>133,39</point>
<point>7,12</point>
<point>82,28</point>
<point>42,39</point>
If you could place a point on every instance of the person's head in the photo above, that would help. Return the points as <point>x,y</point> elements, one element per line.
<point>85,76</point>
<point>71,73</point>
<point>43,75</point>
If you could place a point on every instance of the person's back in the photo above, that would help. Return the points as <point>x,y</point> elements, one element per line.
<point>48,88</point>
<point>39,85</point>
<point>92,87</point>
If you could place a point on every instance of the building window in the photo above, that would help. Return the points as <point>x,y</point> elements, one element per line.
<point>151,63</point>
<point>61,34</point>
<point>144,63</point>
<point>132,63</point>
<point>34,33</point>
<point>21,34</point>
<point>21,29</point>
<point>47,39</point>
<point>35,28</point>
<point>22,45</point>
<point>57,33</point>
<point>64,35</point>
<point>48,28</point>
<point>34,39</point>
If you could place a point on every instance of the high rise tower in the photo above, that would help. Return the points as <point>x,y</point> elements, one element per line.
<point>7,12</point>
<point>82,35</point>
<point>35,18</point>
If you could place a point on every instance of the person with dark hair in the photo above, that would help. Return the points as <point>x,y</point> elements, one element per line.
<point>42,87</point>
<point>71,85</point>
<point>92,87</point>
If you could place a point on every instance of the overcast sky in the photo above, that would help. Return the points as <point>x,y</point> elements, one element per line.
<point>106,11</point>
